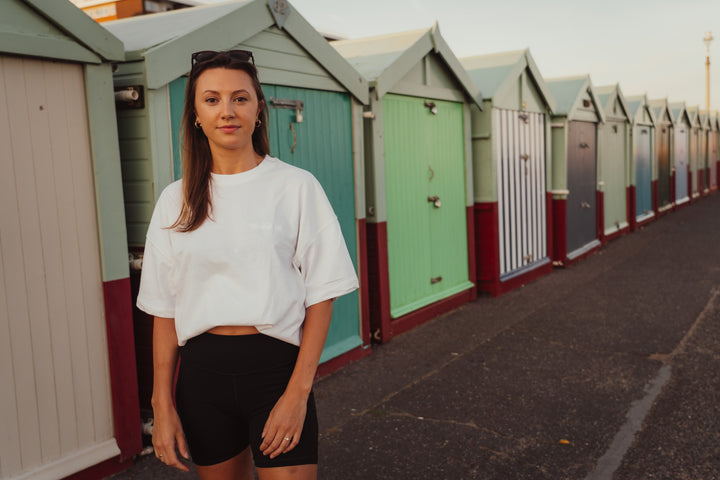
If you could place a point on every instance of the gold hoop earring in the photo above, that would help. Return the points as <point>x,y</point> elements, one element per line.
<point>197,124</point>
<point>258,122</point>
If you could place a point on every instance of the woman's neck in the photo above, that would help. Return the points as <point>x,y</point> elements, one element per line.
<point>228,162</point>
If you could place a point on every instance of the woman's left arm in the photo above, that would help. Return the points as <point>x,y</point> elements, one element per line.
<point>288,415</point>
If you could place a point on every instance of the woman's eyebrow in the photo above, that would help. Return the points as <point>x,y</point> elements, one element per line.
<point>242,90</point>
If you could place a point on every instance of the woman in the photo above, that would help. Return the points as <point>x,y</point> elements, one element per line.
<point>243,259</point>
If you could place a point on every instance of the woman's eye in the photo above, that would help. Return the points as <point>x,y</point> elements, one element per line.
<point>240,99</point>
<point>211,100</point>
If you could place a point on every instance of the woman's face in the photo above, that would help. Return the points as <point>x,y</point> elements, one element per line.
<point>226,107</point>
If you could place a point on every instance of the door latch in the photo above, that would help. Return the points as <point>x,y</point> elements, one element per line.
<point>435,280</point>
<point>435,201</point>
<point>584,205</point>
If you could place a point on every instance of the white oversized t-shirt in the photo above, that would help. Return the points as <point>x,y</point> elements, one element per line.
<point>271,247</point>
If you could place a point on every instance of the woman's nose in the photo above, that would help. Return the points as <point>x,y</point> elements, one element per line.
<point>227,110</point>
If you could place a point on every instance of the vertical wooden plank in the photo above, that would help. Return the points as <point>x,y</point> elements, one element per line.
<point>35,226</point>
<point>18,296</point>
<point>11,285</point>
<point>88,245</point>
<point>70,255</point>
<point>57,288</point>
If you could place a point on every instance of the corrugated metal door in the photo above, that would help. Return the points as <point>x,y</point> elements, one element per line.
<point>643,172</point>
<point>581,181</point>
<point>712,159</point>
<point>427,239</point>
<point>663,154</point>
<point>519,143</point>
<point>613,174</point>
<point>681,164</point>
<point>323,144</point>
<point>55,406</point>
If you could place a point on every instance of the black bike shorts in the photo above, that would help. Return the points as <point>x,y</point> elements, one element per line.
<point>227,385</point>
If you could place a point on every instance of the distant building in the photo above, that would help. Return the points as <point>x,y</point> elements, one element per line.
<point>106,10</point>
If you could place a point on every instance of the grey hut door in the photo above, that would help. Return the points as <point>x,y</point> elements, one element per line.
<point>663,153</point>
<point>581,171</point>
<point>681,164</point>
<point>643,172</point>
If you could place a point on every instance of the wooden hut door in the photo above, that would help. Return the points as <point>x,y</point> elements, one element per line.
<point>520,154</point>
<point>425,201</point>
<point>712,159</point>
<point>320,140</point>
<point>613,173</point>
<point>663,154</point>
<point>681,164</point>
<point>581,181</point>
<point>693,162</point>
<point>54,365</point>
<point>643,172</point>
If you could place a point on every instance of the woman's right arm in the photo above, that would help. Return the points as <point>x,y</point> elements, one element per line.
<point>167,430</point>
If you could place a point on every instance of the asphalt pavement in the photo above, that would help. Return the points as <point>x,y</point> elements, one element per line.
<point>604,370</point>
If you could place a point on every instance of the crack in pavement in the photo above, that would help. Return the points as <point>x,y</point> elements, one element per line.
<point>608,464</point>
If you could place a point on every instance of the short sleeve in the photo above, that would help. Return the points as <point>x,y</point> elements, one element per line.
<point>322,255</point>
<point>158,291</point>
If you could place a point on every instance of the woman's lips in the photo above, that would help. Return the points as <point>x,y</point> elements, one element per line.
<point>228,128</point>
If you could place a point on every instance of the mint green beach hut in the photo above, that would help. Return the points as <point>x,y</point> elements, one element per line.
<point>614,162</point>
<point>418,177</point>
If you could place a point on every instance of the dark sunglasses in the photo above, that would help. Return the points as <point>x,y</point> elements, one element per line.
<point>206,55</point>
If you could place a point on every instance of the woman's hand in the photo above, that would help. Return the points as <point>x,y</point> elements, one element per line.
<point>285,422</point>
<point>167,435</point>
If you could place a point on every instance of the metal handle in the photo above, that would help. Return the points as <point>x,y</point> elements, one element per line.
<point>584,145</point>
<point>584,205</point>
<point>525,156</point>
<point>435,201</point>
<point>435,280</point>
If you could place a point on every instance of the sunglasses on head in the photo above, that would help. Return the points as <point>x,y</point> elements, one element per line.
<point>206,55</point>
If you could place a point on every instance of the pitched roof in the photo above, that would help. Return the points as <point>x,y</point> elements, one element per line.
<point>607,93</point>
<point>166,40</point>
<point>637,102</point>
<point>55,29</point>
<point>566,91</point>
<point>385,59</point>
<point>493,72</point>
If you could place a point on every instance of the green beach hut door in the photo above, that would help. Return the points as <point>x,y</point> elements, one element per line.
<point>320,142</point>
<point>425,195</point>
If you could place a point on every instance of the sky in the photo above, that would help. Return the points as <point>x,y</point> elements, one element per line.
<point>653,47</point>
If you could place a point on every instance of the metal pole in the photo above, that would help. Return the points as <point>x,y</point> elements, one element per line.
<point>708,38</point>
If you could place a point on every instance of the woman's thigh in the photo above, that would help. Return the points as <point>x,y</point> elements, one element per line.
<point>239,467</point>
<point>296,472</point>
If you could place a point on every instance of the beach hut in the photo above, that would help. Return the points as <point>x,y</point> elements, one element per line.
<point>698,151</point>
<point>614,163</point>
<point>696,164</point>
<point>662,199</point>
<point>510,154</point>
<point>574,125</point>
<point>642,136</point>
<point>705,134</point>
<point>315,122</point>
<point>68,401</point>
<point>687,139</point>
<point>419,181</point>
<point>712,150</point>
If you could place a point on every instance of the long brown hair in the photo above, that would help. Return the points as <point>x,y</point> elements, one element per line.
<point>197,158</point>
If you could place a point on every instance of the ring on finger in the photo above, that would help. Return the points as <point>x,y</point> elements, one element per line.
<point>287,439</point>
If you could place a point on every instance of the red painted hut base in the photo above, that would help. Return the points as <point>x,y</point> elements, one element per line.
<point>487,238</point>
